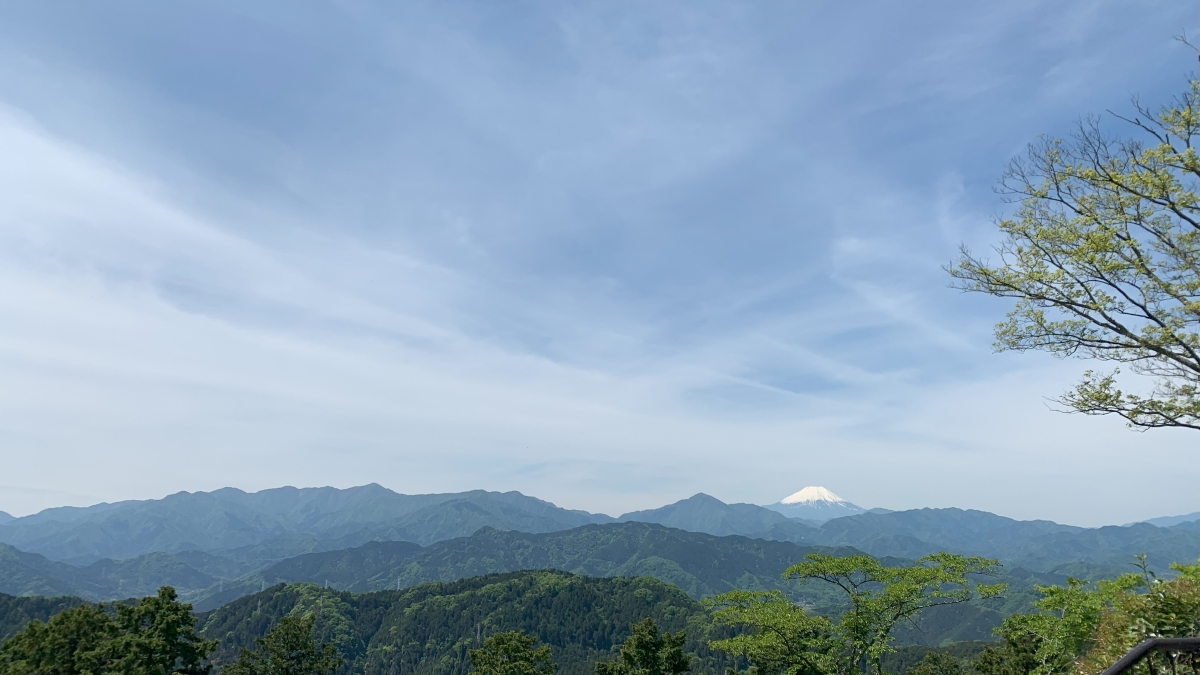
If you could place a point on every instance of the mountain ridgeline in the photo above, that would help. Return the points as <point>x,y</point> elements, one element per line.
<point>219,546</point>
<point>280,522</point>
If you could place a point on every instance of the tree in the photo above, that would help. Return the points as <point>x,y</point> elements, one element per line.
<point>1167,609</point>
<point>511,653</point>
<point>648,652</point>
<point>881,597</point>
<point>289,648</point>
<point>784,639</point>
<point>1085,627</point>
<point>1050,640</point>
<point>1016,654</point>
<point>67,644</point>
<point>155,636</point>
<point>938,663</point>
<point>1103,259</point>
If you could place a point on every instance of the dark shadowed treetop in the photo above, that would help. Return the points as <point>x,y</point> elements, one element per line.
<point>155,636</point>
<point>648,651</point>
<point>289,648</point>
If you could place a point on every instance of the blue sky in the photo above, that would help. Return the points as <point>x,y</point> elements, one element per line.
<point>608,254</point>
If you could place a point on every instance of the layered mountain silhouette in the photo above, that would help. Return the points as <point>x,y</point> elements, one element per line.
<point>218,546</point>
<point>1168,521</point>
<point>288,520</point>
<point>702,513</point>
<point>699,564</point>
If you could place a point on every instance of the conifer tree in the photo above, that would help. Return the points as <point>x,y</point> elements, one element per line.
<point>290,648</point>
<point>648,652</point>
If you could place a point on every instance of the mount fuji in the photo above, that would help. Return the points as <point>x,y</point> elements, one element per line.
<point>816,504</point>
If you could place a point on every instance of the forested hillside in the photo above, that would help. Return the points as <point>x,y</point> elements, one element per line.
<point>427,630</point>
<point>1045,551</point>
<point>17,612</point>
<point>702,565</point>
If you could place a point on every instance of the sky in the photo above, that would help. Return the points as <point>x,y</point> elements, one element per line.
<point>606,254</point>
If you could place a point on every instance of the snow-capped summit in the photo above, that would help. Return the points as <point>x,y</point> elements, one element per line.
<point>813,494</point>
<point>815,503</point>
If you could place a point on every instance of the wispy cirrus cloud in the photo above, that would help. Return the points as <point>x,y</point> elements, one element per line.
<point>610,256</point>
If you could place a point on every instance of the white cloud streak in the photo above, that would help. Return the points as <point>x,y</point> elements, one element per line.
<point>611,262</point>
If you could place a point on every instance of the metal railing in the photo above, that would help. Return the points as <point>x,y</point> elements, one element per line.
<point>1181,656</point>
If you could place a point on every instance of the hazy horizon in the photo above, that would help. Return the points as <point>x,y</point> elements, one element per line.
<point>610,514</point>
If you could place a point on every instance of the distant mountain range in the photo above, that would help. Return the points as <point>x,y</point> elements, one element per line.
<point>1168,521</point>
<point>702,513</point>
<point>281,522</point>
<point>221,545</point>
<point>249,528</point>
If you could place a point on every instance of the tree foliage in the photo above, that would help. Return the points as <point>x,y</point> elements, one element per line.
<point>70,642</point>
<point>155,636</point>
<point>511,653</point>
<point>649,652</point>
<point>881,596</point>
<point>1167,609</point>
<point>289,648</point>
<point>1082,628</point>
<point>1103,259</point>
<point>787,640</point>
<point>938,663</point>
<point>1048,641</point>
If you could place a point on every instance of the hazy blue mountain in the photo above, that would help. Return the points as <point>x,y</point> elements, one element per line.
<point>31,574</point>
<point>980,532</point>
<point>700,564</point>
<point>702,513</point>
<point>214,546</point>
<point>229,519</point>
<point>1112,545</point>
<point>4,517</point>
<point>1035,544</point>
<point>463,516</point>
<point>816,504</point>
<point>1168,521</point>
<point>27,574</point>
